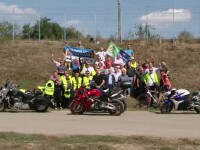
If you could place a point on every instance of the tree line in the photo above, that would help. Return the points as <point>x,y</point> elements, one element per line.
<point>53,31</point>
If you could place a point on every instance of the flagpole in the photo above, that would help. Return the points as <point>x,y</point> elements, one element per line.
<point>119,21</point>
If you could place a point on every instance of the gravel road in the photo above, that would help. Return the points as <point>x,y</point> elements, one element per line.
<point>177,124</point>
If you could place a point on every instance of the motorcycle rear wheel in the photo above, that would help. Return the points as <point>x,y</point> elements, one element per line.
<point>119,108</point>
<point>76,109</point>
<point>41,104</point>
<point>2,107</point>
<point>125,105</point>
<point>166,108</point>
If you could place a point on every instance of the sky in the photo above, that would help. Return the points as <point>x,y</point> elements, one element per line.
<point>99,17</point>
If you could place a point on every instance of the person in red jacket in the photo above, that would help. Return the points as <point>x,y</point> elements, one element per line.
<point>165,84</point>
<point>108,62</point>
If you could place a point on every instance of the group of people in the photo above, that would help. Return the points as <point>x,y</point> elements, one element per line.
<point>105,72</point>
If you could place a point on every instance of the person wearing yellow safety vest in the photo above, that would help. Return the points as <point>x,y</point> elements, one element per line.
<point>76,81</point>
<point>134,64</point>
<point>87,79</point>
<point>49,87</point>
<point>53,90</point>
<point>151,81</point>
<point>67,89</point>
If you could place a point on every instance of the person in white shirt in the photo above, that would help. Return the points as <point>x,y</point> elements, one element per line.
<point>102,54</point>
<point>99,61</point>
<point>118,61</point>
<point>88,68</point>
<point>57,63</point>
<point>116,74</point>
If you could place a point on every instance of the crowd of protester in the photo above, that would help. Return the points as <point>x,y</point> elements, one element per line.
<point>106,72</point>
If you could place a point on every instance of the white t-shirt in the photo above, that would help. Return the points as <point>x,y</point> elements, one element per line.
<point>90,69</point>
<point>119,62</point>
<point>102,55</point>
<point>151,81</point>
<point>116,75</point>
<point>106,71</point>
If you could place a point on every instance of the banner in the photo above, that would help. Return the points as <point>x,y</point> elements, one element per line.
<point>124,55</point>
<point>80,52</point>
<point>113,50</point>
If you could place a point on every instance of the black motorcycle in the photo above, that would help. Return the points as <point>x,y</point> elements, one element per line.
<point>116,93</point>
<point>11,97</point>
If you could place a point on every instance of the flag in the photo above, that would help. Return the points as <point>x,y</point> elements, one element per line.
<point>113,50</point>
<point>124,55</point>
<point>80,52</point>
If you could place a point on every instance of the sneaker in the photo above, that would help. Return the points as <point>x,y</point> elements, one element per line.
<point>145,106</point>
<point>56,108</point>
<point>60,107</point>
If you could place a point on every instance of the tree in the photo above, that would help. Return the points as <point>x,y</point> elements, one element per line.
<point>144,32</point>
<point>48,30</point>
<point>140,33</point>
<point>73,33</point>
<point>185,36</point>
<point>26,31</point>
<point>6,30</point>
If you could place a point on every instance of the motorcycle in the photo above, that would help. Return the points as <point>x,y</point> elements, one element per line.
<point>51,98</point>
<point>116,93</point>
<point>180,100</point>
<point>11,97</point>
<point>91,100</point>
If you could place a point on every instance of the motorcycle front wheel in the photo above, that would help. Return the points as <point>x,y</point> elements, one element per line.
<point>119,108</point>
<point>76,109</point>
<point>197,109</point>
<point>166,108</point>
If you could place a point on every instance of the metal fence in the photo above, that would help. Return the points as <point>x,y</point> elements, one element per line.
<point>164,23</point>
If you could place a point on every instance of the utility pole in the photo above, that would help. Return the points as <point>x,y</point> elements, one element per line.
<point>173,39</point>
<point>13,30</point>
<point>65,26</point>
<point>119,21</point>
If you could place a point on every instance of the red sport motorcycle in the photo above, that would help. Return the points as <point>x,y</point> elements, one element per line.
<point>91,100</point>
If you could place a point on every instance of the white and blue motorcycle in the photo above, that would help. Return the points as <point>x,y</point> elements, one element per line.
<point>180,100</point>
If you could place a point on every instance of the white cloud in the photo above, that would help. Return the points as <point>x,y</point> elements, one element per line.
<point>165,18</point>
<point>72,22</point>
<point>9,9</point>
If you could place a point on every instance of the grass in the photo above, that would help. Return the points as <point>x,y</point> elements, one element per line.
<point>29,62</point>
<point>43,142</point>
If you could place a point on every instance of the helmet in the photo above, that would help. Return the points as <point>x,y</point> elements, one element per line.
<point>173,91</point>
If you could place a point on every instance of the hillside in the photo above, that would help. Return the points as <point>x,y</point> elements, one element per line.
<point>29,62</point>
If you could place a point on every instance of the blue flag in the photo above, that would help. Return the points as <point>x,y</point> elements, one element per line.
<point>124,55</point>
<point>80,52</point>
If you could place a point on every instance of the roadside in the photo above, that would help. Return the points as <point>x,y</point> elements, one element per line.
<point>44,142</point>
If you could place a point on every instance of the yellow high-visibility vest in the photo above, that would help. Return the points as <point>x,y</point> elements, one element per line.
<point>134,65</point>
<point>86,81</point>
<point>67,86</point>
<point>49,88</point>
<point>75,84</point>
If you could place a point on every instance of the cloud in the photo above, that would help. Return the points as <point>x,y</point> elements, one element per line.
<point>17,10</point>
<point>165,18</point>
<point>72,22</point>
